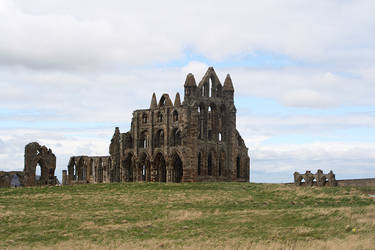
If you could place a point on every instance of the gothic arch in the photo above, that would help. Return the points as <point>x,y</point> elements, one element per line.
<point>175,137</point>
<point>177,168</point>
<point>144,167</point>
<point>159,138</point>
<point>160,167</point>
<point>175,116</point>
<point>165,101</point>
<point>128,167</point>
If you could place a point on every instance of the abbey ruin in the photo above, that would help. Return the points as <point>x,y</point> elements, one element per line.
<point>190,141</point>
<point>35,155</point>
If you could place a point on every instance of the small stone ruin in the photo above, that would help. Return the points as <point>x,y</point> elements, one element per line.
<point>319,179</point>
<point>35,155</point>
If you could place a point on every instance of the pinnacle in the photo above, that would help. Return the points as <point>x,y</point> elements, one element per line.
<point>228,85</point>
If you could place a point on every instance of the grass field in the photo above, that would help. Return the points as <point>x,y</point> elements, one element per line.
<point>193,215</point>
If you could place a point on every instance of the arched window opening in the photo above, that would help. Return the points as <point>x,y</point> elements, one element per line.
<point>209,164</point>
<point>209,135</point>
<point>15,182</point>
<point>143,140</point>
<point>161,168</point>
<point>144,118</point>
<point>80,169</point>
<point>100,171</point>
<point>175,116</point>
<point>162,101</point>
<point>220,137</point>
<point>176,137</point>
<point>84,174</point>
<point>177,169</point>
<point>238,167</point>
<point>38,172</point>
<point>159,138</point>
<point>143,173</point>
<point>199,163</point>
<point>160,117</point>
<point>91,167</point>
<point>209,87</point>
<point>128,168</point>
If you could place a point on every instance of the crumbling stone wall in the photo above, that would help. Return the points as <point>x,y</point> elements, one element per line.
<point>36,154</point>
<point>11,179</point>
<point>319,179</point>
<point>189,141</point>
<point>89,169</point>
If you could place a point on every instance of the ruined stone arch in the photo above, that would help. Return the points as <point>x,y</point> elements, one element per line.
<point>80,169</point>
<point>159,116</point>
<point>175,116</point>
<point>143,139</point>
<point>177,170</point>
<point>36,154</point>
<point>100,175</point>
<point>160,167</point>
<point>144,118</point>
<point>128,167</point>
<point>143,171</point>
<point>165,100</point>
<point>91,167</point>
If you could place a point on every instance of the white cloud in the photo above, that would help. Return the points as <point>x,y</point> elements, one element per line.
<point>306,98</point>
<point>91,34</point>
<point>306,87</point>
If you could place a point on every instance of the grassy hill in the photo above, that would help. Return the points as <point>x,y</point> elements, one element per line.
<point>193,215</point>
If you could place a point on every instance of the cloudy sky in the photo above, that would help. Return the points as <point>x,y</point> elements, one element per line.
<point>303,72</point>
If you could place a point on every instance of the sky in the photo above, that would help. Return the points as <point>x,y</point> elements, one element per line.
<point>303,73</point>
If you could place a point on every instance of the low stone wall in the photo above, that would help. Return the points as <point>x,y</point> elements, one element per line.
<point>356,182</point>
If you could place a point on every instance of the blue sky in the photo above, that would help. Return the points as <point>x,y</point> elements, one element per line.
<point>303,74</point>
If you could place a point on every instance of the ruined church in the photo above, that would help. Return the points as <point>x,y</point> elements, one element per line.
<point>190,141</point>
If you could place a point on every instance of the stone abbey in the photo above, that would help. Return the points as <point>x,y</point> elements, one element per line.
<point>190,141</point>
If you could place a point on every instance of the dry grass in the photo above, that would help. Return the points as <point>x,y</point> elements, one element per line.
<point>187,216</point>
<point>349,243</point>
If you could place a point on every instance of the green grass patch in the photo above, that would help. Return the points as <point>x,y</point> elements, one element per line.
<point>213,212</point>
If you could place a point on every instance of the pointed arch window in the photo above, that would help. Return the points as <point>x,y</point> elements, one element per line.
<point>160,117</point>
<point>175,116</point>
<point>144,118</point>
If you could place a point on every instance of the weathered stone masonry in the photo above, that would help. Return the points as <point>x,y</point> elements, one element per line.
<point>195,140</point>
<point>35,155</point>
